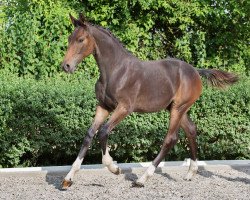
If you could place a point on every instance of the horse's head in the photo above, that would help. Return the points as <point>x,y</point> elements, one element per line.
<point>80,44</point>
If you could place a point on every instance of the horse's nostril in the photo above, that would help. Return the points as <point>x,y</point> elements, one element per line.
<point>66,67</point>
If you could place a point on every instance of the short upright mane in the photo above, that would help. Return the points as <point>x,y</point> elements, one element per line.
<point>110,34</point>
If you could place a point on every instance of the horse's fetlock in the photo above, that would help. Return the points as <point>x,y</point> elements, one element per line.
<point>107,160</point>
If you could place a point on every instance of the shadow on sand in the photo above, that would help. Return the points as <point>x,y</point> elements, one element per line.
<point>208,174</point>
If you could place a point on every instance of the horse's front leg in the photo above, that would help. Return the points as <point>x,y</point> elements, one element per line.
<point>119,114</point>
<point>100,116</point>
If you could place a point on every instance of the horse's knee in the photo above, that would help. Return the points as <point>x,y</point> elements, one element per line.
<point>192,131</point>
<point>88,138</point>
<point>170,140</point>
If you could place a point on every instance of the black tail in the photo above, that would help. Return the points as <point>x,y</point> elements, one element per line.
<point>218,78</point>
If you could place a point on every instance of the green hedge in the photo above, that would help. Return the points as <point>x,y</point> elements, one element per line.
<point>44,122</point>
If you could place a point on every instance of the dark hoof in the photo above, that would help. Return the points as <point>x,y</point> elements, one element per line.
<point>66,184</point>
<point>189,176</point>
<point>187,179</point>
<point>137,184</point>
<point>118,171</point>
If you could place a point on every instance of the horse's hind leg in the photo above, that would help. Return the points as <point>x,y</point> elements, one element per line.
<point>170,140</point>
<point>190,129</point>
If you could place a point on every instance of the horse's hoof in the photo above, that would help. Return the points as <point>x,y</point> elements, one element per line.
<point>66,184</point>
<point>189,177</point>
<point>137,184</point>
<point>118,171</point>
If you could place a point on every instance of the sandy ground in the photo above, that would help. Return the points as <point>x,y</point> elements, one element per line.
<point>214,183</point>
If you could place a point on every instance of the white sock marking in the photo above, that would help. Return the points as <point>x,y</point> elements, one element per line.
<point>107,160</point>
<point>147,174</point>
<point>75,167</point>
<point>193,168</point>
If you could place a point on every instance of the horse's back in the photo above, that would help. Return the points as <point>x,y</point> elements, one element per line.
<point>165,81</point>
<point>171,69</point>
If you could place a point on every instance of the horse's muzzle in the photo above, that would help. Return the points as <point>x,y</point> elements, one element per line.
<point>68,68</point>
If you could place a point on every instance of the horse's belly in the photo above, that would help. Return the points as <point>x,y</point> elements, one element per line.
<point>153,104</point>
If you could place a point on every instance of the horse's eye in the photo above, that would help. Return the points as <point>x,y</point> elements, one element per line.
<point>81,40</point>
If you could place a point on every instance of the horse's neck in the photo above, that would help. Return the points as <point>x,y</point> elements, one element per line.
<point>109,53</point>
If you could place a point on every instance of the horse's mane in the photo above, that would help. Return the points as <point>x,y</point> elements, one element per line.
<point>110,34</point>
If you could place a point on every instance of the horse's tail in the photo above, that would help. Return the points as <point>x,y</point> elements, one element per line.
<point>218,78</point>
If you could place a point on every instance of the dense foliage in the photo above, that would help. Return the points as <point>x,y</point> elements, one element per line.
<point>206,33</point>
<point>43,121</point>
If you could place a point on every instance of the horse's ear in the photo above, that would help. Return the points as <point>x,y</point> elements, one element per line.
<point>77,22</point>
<point>74,21</point>
<point>82,18</point>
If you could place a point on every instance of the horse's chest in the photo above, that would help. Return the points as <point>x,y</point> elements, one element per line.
<point>105,96</point>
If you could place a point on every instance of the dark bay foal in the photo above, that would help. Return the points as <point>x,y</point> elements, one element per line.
<point>127,84</point>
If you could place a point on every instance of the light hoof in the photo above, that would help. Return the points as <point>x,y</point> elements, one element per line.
<point>137,184</point>
<point>66,184</point>
<point>118,171</point>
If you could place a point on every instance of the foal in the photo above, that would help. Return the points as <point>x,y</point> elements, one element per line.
<point>127,84</point>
